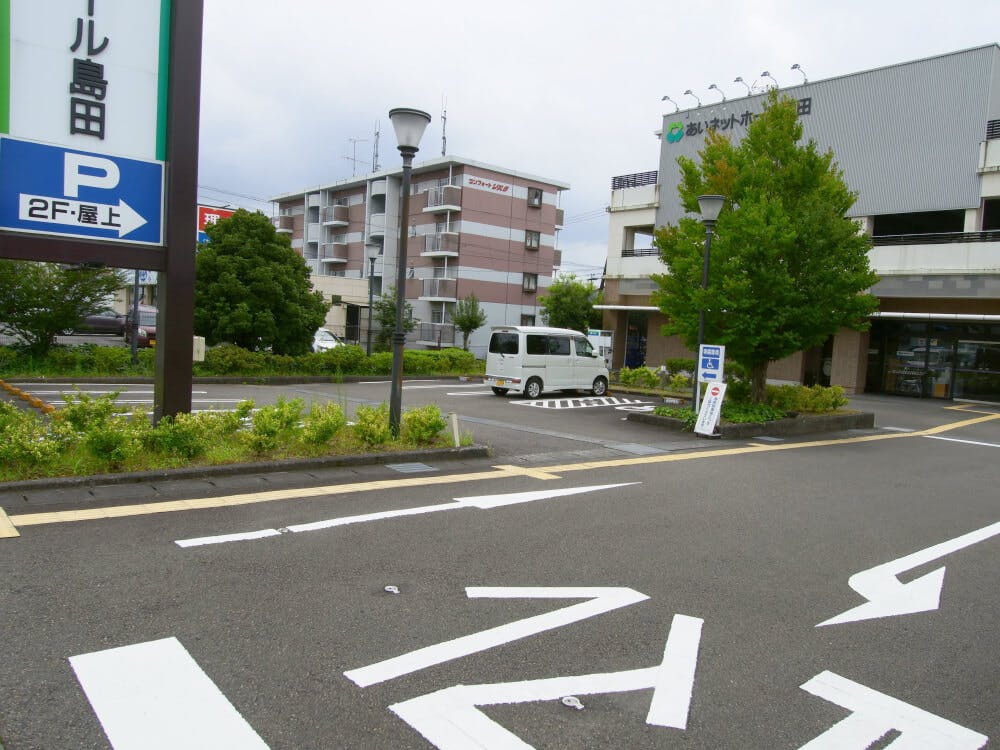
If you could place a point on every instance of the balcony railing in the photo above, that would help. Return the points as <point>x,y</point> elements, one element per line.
<point>333,252</point>
<point>443,243</point>
<point>435,334</point>
<point>334,215</point>
<point>444,198</point>
<point>284,224</point>
<point>439,288</point>
<point>634,180</point>
<point>936,238</point>
<point>639,252</point>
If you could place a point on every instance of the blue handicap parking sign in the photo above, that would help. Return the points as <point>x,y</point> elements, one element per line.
<point>57,190</point>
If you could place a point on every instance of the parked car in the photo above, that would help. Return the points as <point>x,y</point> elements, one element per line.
<point>325,340</point>
<point>147,327</point>
<point>104,320</point>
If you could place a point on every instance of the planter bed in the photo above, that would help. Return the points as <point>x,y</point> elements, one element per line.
<point>804,424</point>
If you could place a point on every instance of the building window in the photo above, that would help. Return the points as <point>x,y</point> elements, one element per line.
<point>527,320</point>
<point>532,239</point>
<point>530,282</point>
<point>535,197</point>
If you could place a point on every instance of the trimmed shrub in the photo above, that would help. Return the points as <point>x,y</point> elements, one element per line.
<point>272,424</point>
<point>639,377</point>
<point>422,424</point>
<point>371,424</point>
<point>229,359</point>
<point>818,399</point>
<point>323,422</point>
<point>83,412</point>
<point>677,365</point>
<point>379,363</point>
<point>184,435</point>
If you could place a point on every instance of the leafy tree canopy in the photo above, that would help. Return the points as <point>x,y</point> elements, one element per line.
<point>38,300</point>
<point>569,303</point>
<point>467,317</point>
<point>252,289</point>
<point>787,269</point>
<point>384,319</point>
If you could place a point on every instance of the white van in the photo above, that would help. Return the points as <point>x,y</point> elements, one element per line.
<point>532,359</point>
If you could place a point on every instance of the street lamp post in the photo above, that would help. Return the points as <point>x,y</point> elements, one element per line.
<point>409,125</point>
<point>372,252</point>
<point>710,207</point>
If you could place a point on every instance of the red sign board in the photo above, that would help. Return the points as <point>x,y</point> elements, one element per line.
<point>210,215</point>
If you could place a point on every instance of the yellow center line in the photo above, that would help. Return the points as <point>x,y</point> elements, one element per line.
<point>8,526</point>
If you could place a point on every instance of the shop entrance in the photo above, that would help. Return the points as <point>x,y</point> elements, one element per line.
<point>977,371</point>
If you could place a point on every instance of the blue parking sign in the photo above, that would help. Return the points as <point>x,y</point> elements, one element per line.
<point>46,189</point>
<point>711,360</point>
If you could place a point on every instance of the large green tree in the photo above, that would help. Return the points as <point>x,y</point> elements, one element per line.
<point>252,289</point>
<point>787,269</point>
<point>569,303</point>
<point>468,317</point>
<point>38,300</point>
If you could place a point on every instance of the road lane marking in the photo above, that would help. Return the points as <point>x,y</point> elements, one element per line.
<point>600,599</point>
<point>450,719</point>
<point>86,514</point>
<point>154,696</point>
<point>483,502</point>
<point>967,442</point>
<point>874,714</point>
<point>7,529</point>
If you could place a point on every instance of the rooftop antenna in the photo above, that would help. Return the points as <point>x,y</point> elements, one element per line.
<point>354,154</point>
<point>375,165</point>
<point>444,125</point>
<point>798,67</point>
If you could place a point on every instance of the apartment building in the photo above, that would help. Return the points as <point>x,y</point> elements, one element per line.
<point>920,144</point>
<point>472,228</point>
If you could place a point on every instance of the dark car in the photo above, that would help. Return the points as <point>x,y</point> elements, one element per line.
<point>104,320</point>
<point>147,327</point>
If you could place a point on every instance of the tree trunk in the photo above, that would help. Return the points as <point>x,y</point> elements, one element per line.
<point>758,382</point>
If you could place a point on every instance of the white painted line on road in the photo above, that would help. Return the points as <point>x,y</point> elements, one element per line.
<point>450,720</point>
<point>483,502</point>
<point>80,390</point>
<point>875,714</point>
<point>386,382</point>
<point>154,696</point>
<point>441,385</point>
<point>896,429</point>
<point>600,599</point>
<point>967,442</point>
<point>586,402</point>
<point>675,681</point>
<point>471,393</point>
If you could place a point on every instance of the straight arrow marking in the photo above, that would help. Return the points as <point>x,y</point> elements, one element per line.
<point>888,597</point>
<point>600,600</point>
<point>450,720</point>
<point>875,714</point>
<point>483,502</point>
<point>154,696</point>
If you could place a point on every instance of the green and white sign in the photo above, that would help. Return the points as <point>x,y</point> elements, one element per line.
<point>86,74</point>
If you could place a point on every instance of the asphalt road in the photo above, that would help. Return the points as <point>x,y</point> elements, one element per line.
<point>709,568</point>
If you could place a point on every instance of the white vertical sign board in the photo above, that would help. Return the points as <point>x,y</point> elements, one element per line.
<point>711,409</point>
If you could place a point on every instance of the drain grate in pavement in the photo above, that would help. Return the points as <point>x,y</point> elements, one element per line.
<point>414,468</point>
<point>635,448</point>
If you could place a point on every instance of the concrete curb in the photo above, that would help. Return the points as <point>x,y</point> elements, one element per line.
<point>241,379</point>
<point>262,467</point>
<point>800,425</point>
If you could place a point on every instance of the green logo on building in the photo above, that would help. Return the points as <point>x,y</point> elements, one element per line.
<point>675,132</point>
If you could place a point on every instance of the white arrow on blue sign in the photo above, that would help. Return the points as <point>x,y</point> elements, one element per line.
<point>56,190</point>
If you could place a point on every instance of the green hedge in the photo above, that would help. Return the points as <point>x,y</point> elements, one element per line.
<point>227,359</point>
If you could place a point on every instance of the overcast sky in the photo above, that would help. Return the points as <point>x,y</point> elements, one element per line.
<point>567,89</point>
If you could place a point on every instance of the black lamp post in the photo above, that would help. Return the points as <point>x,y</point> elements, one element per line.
<point>372,252</point>
<point>710,207</point>
<point>409,125</point>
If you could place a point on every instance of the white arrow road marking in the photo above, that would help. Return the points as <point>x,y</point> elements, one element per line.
<point>875,714</point>
<point>600,600</point>
<point>483,502</point>
<point>580,403</point>
<point>450,720</point>
<point>888,597</point>
<point>153,696</point>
